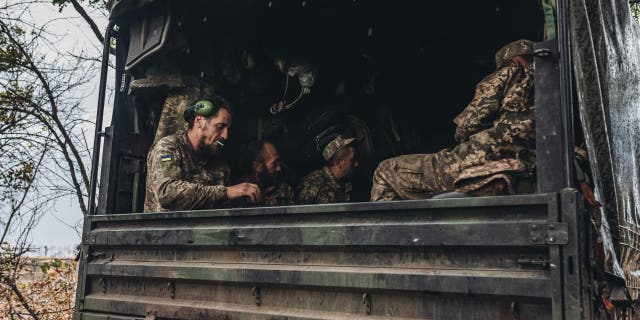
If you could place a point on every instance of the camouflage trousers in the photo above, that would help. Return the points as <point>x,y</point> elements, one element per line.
<point>412,177</point>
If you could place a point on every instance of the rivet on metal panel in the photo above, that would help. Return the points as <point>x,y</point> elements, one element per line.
<point>151,315</point>
<point>102,285</point>
<point>256,295</point>
<point>552,239</point>
<point>536,234</point>
<point>552,226</point>
<point>366,303</point>
<point>171,286</point>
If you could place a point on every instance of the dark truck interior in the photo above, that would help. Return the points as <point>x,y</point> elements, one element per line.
<point>391,73</point>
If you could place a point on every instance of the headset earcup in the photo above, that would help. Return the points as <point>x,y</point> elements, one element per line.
<point>203,108</point>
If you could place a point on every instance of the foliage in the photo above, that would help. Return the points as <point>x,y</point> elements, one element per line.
<point>92,3</point>
<point>635,10</point>
<point>46,287</point>
<point>43,152</point>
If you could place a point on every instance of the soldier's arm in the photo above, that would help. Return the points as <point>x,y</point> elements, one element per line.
<point>307,193</point>
<point>482,110</point>
<point>172,191</point>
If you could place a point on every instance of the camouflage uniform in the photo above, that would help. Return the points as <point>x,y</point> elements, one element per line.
<point>182,91</point>
<point>278,195</point>
<point>321,186</point>
<point>498,124</point>
<point>180,179</point>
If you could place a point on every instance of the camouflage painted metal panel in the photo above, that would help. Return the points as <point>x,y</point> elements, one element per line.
<point>497,282</point>
<point>426,307</point>
<point>418,234</point>
<point>519,202</point>
<point>433,259</point>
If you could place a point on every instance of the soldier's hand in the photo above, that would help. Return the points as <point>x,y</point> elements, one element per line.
<point>244,190</point>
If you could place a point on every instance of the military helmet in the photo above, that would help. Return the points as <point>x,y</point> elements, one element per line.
<point>513,49</point>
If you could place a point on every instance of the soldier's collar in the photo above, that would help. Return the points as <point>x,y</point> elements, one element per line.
<point>329,175</point>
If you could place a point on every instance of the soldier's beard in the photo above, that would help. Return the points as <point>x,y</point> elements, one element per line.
<point>268,179</point>
<point>206,150</point>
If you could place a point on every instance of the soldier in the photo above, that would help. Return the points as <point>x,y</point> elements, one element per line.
<point>495,133</point>
<point>263,167</point>
<point>186,171</point>
<point>331,184</point>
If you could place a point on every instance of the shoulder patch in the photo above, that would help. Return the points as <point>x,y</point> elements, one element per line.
<point>166,157</point>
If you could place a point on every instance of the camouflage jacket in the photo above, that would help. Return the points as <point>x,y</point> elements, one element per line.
<point>321,186</point>
<point>180,179</point>
<point>498,123</point>
<point>278,195</point>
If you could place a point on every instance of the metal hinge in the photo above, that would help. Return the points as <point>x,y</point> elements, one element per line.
<point>103,285</point>
<point>549,233</point>
<point>256,295</point>
<point>151,315</point>
<point>366,304</point>
<point>171,286</point>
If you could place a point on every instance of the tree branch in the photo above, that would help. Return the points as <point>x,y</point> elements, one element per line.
<point>14,208</point>
<point>54,107</point>
<point>85,16</point>
<point>12,284</point>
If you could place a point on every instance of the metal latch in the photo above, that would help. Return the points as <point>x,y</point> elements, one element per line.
<point>536,263</point>
<point>549,233</point>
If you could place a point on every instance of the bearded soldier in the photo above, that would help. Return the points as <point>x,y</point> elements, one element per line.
<point>331,184</point>
<point>186,171</point>
<point>495,135</point>
<point>263,167</point>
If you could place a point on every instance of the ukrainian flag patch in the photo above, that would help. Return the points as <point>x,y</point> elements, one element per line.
<point>166,157</point>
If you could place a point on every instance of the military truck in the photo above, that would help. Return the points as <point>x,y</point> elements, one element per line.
<point>393,74</point>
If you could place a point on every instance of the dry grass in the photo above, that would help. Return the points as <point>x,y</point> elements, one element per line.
<point>47,285</point>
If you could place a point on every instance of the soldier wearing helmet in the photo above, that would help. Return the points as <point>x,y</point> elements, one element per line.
<point>495,135</point>
<point>186,171</point>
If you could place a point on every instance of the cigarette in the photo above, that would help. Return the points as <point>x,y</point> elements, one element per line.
<point>220,143</point>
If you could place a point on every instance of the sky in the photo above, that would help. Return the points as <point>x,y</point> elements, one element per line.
<point>56,228</point>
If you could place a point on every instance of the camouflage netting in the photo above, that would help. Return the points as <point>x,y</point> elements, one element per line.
<point>606,52</point>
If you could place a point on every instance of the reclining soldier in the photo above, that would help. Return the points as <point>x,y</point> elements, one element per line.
<point>332,183</point>
<point>263,167</point>
<point>495,135</point>
<point>186,171</point>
